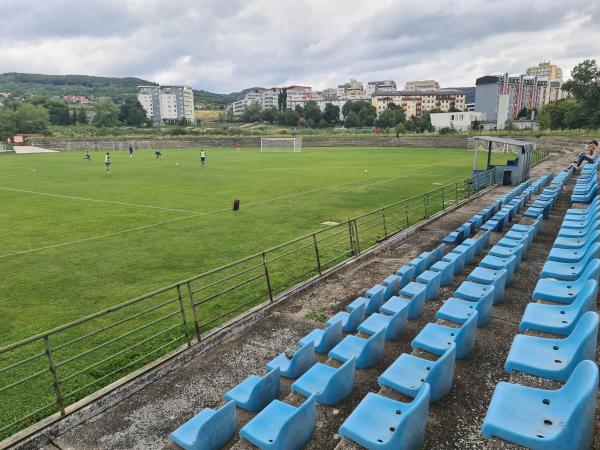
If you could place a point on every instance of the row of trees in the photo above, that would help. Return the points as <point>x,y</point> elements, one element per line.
<point>581,110</point>
<point>38,113</point>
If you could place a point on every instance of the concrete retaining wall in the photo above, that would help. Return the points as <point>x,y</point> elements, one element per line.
<point>226,142</point>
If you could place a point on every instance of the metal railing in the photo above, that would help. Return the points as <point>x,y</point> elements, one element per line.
<point>539,155</point>
<point>45,373</point>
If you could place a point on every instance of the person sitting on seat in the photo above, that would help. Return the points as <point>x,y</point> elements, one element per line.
<point>591,155</point>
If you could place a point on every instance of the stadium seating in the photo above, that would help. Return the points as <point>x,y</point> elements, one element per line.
<point>293,367</point>
<point>330,384</point>
<point>281,426</point>
<point>324,340</point>
<point>254,393</point>
<point>560,291</point>
<point>436,338</point>
<point>393,325</point>
<point>560,419</point>
<point>209,429</point>
<point>366,351</point>
<point>408,373</point>
<point>554,359</point>
<point>350,321</point>
<point>382,423</point>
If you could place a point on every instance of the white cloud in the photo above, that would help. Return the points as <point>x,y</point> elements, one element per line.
<point>229,45</point>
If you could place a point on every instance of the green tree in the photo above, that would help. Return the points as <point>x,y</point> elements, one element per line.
<point>367,115</point>
<point>8,124</point>
<point>475,125</point>
<point>331,114</point>
<point>351,120</point>
<point>31,119</point>
<point>82,116</point>
<point>322,123</point>
<point>391,116</point>
<point>73,116</point>
<point>400,128</point>
<point>58,111</point>
<point>282,100</point>
<point>585,88</point>
<point>252,113</point>
<point>269,115</point>
<point>289,118</point>
<point>312,112</point>
<point>107,113</point>
<point>132,113</point>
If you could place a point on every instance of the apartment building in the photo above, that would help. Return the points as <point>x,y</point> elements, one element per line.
<point>415,102</point>
<point>545,70</point>
<point>352,90</point>
<point>421,85</point>
<point>380,86</point>
<point>459,121</point>
<point>167,103</point>
<point>502,97</point>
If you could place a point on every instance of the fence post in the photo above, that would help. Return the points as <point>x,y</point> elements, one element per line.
<point>426,203</point>
<point>185,325</point>
<point>384,224</point>
<point>351,236</point>
<point>357,240</point>
<point>264,258</point>
<point>317,253</point>
<point>456,192</point>
<point>406,213</point>
<point>52,368</point>
<point>443,200</point>
<point>194,316</point>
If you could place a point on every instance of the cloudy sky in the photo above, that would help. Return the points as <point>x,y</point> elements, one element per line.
<point>228,45</point>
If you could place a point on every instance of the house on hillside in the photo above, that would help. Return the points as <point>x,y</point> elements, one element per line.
<point>82,100</point>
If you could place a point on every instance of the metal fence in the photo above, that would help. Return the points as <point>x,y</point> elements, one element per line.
<point>539,155</point>
<point>45,373</point>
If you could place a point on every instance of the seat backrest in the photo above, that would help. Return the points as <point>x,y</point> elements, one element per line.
<point>410,431</point>
<point>467,330</point>
<point>267,388</point>
<point>576,401</point>
<point>407,274</point>
<point>218,429</point>
<point>357,315</point>
<point>396,325</point>
<point>332,335</point>
<point>343,373</point>
<point>586,297</point>
<point>593,252</point>
<point>299,427</point>
<point>442,372</point>
<point>303,358</point>
<point>591,271</point>
<point>372,350</point>
<point>584,336</point>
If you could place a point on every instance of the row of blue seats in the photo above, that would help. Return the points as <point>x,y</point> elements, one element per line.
<point>564,305</point>
<point>586,187</point>
<point>383,423</point>
<point>388,305</point>
<point>547,199</point>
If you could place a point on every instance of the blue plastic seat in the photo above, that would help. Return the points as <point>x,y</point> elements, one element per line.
<point>565,291</point>
<point>207,430</point>
<point>458,259</point>
<point>493,277</point>
<point>366,351</point>
<point>519,236</point>
<point>371,304</point>
<point>406,274</point>
<point>393,325</point>
<point>446,270</point>
<point>324,340</point>
<point>475,244</point>
<point>281,426</point>
<point>392,286</point>
<point>554,359</point>
<point>474,291</point>
<point>376,294</point>
<point>467,250</point>
<point>580,242</point>
<point>349,320</point>
<point>254,393</point>
<point>408,373</point>
<point>382,423</point>
<point>493,262</point>
<point>459,311</point>
<point>574,255</point>
<point>540,419</point>
<point>455,237</point>
<point>436,254</point>
<point>419,263</point>
<point>436,338</point>
<point>560,319</point>
<point>578,233</point>
<point>302,360</point>
<point>564,271</point>
<point>413,294</point>
<point>505,252</point>
<point>330,384</point>
<point>432,280</point>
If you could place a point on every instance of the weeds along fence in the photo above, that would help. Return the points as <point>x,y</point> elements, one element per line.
<point>46,373</point>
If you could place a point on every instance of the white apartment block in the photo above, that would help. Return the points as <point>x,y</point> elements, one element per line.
<point>352,90</point>
<point>380,86</point>
<point>421,85</point>
<point>415,102</point>
<point>167,103</point>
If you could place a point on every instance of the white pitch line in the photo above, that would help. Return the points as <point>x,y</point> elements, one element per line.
<point>112,202</point>
<point>194,214</point>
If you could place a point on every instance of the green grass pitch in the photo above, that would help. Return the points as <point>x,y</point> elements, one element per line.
<point>76,240</point>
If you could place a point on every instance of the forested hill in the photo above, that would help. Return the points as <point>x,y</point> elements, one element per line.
<point>29,84</point>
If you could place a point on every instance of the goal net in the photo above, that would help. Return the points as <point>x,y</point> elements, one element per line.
<point>281,144</point>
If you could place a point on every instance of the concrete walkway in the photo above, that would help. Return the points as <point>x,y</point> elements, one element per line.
<point>146,417</point>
